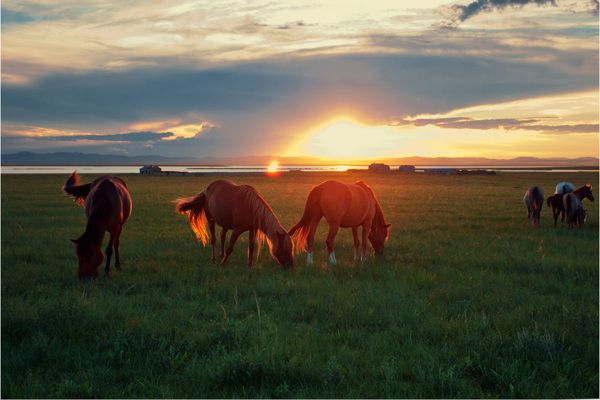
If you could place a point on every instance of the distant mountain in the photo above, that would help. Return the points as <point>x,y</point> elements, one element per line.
<point>75,158</point>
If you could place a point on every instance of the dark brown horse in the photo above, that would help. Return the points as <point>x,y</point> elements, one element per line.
<point>343,205</point>
<point>584,192</point>
<point>556,202</point>
<point>241,209</point>
<point>107,207</point>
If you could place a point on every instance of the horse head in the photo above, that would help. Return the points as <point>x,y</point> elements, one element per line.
<point>377,236</point>
<point>283,250</point>
<point>90,258</point>
<point>588,192</point>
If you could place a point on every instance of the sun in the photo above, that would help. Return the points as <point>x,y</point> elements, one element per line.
<point>345,138</point>
<point>273,168</point>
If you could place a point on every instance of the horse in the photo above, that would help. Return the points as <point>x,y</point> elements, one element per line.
<point>107,208</point>
<point>564,188</point>
<point>574,210</point>
<point>584,192</point>
<point>556,202</point>
<point>343,205</point>
<point>239,208</point>
<point>534,199</point>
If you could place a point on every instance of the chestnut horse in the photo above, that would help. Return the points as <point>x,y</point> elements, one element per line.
<point>343,205</point>
<point>241,209</point>
<point>107,208</point>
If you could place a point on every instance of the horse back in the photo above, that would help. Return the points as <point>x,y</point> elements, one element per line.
<point>350,204</point>
<point>229,205</point>
<point>534,197</point>
<point>109,201</point>
<point>571,203</point>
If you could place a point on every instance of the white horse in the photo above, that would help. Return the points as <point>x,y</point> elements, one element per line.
<point>564,188</point>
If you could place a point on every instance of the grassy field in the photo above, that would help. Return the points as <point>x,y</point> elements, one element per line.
<point>467,301</point>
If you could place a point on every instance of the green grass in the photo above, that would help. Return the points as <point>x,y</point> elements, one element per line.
<point>467,301</point>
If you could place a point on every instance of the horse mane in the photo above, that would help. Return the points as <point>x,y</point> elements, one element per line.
<point>584,191</point>
<point>379,218</point>
<point>265,221</point>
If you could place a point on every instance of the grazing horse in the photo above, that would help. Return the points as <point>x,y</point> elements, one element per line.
<point>564,188</point>
<point>107,208</point>
<point>574,210</point>
<point>534,199</point>
<point>241,209</point>
<point>556,202</point>
<point>343,205</point>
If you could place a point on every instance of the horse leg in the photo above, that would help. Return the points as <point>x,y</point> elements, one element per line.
<point>251,241</point>
<point>213,239</point>
<point>116,245</point>
<point>223,239</point>
<point>310,241</point>
<point>356,242</point>
<point>109,251</point>
<point>234,235</point>
<point>333,229</point>
<point>366,228</point>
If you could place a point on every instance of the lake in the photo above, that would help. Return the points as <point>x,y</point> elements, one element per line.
<point>232,169</point>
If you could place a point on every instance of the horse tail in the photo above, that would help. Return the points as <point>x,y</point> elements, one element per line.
<point>549,201</point>
<point>73,188</point>
<point>194,208</point>
<point>299,232</point>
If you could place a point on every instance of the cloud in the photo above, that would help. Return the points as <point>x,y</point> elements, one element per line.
<point>501,124</point>
<point>465,12</point>
<point>478,6</point>
<point>118,137</point>
<point>15,17</point>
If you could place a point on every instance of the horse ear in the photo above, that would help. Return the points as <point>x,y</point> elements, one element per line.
<point>75,241</point>
<point>388,225</point>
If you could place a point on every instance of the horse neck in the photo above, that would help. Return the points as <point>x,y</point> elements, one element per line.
<point>94,231</point>
<point>580,193</point>
<point>267,222</point>
<point>264,217</point>
<point>379,219</point>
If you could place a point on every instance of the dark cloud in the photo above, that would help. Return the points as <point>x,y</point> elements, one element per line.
<point>99,97</point>
<point>478,6</point>
<point>507,124</point>
<point>10,17</point>
<point>118,137</point>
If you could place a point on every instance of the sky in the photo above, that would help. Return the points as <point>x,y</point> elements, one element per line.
<point>328,78</point>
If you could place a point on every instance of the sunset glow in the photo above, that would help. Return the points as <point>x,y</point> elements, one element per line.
<point>338,80</point>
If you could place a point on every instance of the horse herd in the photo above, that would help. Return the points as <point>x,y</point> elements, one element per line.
<point>233,207</point>
<point>240,208</point>
<point>566,201</point>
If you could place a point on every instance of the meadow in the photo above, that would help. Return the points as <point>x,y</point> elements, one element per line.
<point>468,300</point>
